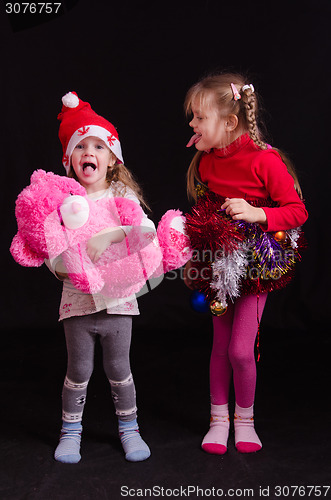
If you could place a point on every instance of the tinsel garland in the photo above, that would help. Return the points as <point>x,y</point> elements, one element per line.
<point>227,272</point>
<point>209,230</point>
<point>232,258</point>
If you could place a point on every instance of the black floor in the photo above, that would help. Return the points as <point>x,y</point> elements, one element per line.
<point>171,376</point>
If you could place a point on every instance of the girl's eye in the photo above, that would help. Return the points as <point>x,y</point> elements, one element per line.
<point>99,146</point>
<point>79,146</point>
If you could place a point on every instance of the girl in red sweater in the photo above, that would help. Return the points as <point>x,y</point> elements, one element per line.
<point>247,220</point>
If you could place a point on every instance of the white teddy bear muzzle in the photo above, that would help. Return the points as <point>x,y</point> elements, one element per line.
<point>74,211</point>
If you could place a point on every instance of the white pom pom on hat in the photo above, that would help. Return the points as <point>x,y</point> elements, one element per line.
<point>70,100</point>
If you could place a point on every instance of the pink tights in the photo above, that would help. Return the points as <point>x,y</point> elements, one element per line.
<point>233,351</point>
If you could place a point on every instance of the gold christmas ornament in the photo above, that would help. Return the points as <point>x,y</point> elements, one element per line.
<point>217,308</point>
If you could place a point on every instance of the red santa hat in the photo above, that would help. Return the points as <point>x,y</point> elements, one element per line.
<point>78,121</point>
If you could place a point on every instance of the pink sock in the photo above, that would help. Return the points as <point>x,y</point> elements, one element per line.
<point>215,441</point>
<point>246,439</point>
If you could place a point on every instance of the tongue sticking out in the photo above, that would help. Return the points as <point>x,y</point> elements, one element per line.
<point>88,168</point>
<point>194,139</point>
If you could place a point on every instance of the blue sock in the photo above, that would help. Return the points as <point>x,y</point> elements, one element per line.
<point>68,448</point>
<point>135,448</point>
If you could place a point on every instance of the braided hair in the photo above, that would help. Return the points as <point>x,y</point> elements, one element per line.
<point>218,91</point>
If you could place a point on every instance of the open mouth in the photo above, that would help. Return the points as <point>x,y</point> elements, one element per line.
<point>90,167</point>
<point>194,139</point>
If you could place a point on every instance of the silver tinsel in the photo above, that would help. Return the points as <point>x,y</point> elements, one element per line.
<point>228,270</point>
<point>294,235</point>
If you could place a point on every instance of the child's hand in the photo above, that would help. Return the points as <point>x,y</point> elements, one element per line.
<point>239,209</point>
<point>102,240</point>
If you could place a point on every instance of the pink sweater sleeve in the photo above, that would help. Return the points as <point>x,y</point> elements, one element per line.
<point>291,211</point>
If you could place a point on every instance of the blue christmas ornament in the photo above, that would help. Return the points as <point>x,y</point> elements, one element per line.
<point>199,302</point>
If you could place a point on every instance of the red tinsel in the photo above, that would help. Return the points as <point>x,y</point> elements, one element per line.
<point>209,229</point>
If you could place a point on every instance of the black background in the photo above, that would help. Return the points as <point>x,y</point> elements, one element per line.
<point>134,61</point>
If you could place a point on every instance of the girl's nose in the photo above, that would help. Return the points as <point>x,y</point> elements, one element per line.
<point>191,124</point>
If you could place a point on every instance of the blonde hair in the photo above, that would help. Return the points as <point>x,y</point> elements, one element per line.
<point>215,91</point>
<point>121,178</point>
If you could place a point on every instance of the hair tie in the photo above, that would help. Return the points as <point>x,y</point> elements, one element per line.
<point>236,95</point>
<point>250,86</point>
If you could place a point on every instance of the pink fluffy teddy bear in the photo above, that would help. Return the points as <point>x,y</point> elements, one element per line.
<point>55,217</point>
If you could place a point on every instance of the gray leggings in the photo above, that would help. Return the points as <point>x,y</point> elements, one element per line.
<point>114,332</point>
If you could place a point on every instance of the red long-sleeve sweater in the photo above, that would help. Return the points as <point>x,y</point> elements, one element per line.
<point>242,170</point>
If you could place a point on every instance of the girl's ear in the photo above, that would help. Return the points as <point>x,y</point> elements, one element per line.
<point>112,160</point>
<point>231,122</point>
